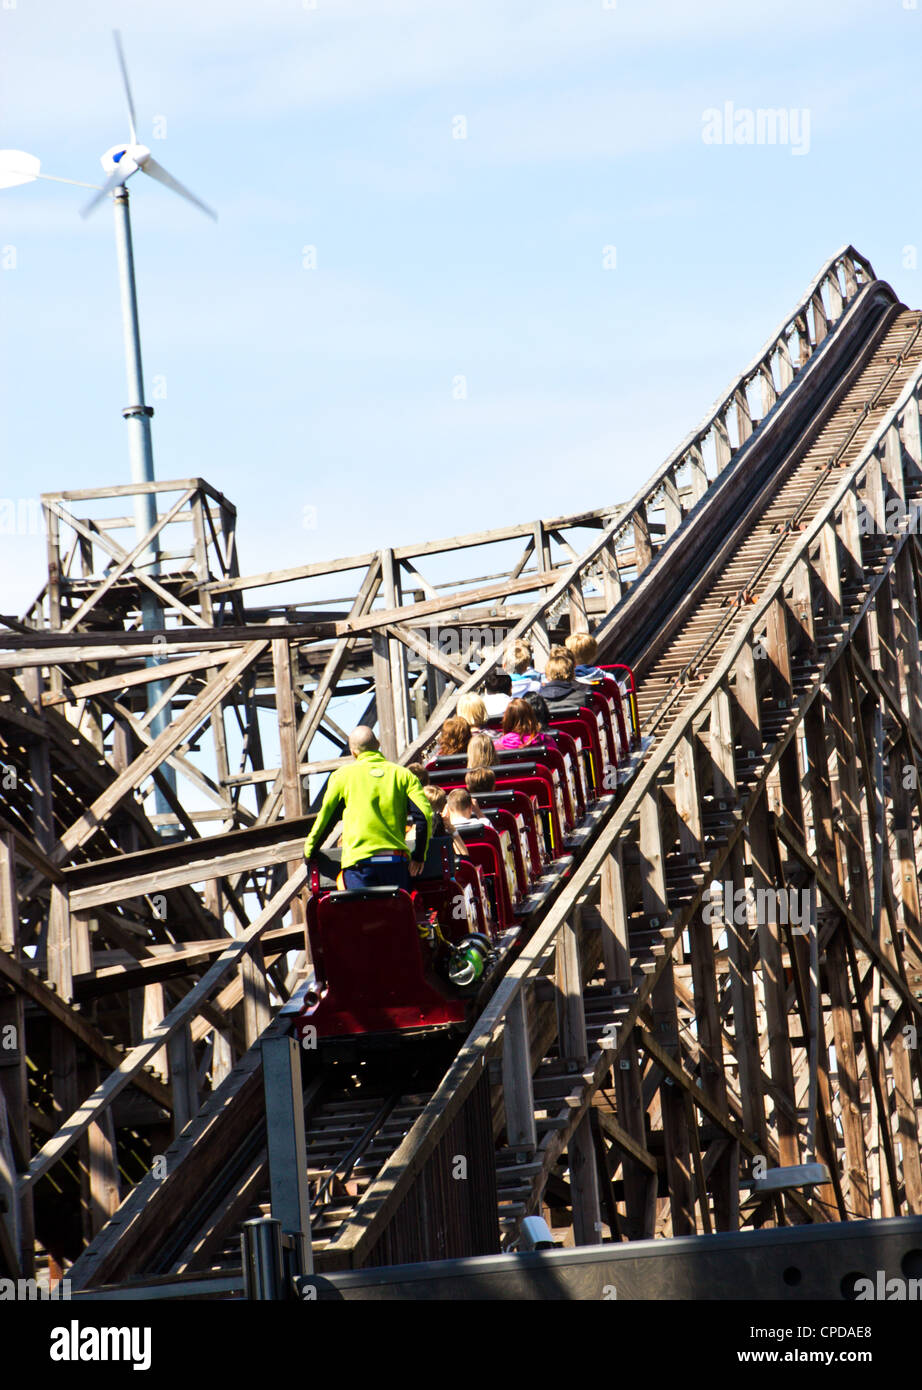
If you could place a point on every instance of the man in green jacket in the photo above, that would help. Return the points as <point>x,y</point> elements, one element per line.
<point>375,798</point>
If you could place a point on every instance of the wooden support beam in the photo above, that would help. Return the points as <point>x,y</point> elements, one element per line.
<point>127,680</point>
<point>185,1010</point>
<point>518,1092</point>
<point>179,729</point>
<point>447,603</point>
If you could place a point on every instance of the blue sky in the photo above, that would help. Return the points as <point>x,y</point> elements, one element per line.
<point>331,126</point>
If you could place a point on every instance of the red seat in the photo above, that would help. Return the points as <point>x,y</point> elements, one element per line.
<point>441,896</point>
<point>524,807</point>
<point>601,708</point>
<point>485,849</point>
<point>368,954</point>
<point>567,745</point>
<point>625,678</point>
<point>469,876</point>
<point>581,723</point>
<point>505,820</point>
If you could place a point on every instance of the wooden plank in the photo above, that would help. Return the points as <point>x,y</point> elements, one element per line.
<point>774,985</point>
<point>101,1159</point>
<point>687,799</point>
<point>179,729</point>
<point>47,648</point>
<point>584,1185</point>
<point>675,1127</point>
<point>384,617</point>
<point>725,1179</point>
<point>518,1093</point>
<point>182,1078</point>
<point>126,680</point>
<point>185,1010</point>
<point>292,798</point>
<point>616,953</point>
<point>256,1011</point>
<point>126,563</point>
<point>396,652</point>
<point>163,879</point>
<point>625,1141</point>
<point>31,986</point>
<point>431,654</point>
<point>856,1167</point>
<point>167,960</point>
<point>10,1221</point>
<point>384,695</point>
<point>568,983</point>
<point>14,1080</point>
<point>58,968</point>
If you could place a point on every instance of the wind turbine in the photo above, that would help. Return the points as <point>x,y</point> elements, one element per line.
<point>120,163</point>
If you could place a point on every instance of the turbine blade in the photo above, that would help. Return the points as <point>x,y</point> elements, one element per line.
<point>121,175</point>
<point>17,167</point>
<point>132,120</point>
<point>157,171</point>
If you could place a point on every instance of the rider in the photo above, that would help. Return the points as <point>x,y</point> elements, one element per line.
<point>375,799</point>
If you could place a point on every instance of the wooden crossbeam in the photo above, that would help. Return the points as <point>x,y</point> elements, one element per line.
<point>180,728</point>
<point>127,680</point>
<point>118,552</point>
<point>183,1013</point>
<point>458,600</point>
<point>125,564</point>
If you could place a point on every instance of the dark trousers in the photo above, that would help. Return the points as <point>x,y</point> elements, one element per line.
<point>394,873</point>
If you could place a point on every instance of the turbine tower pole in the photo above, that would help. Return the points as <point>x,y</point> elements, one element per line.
<point>140,447</point>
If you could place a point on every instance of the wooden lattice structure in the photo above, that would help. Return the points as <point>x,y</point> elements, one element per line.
<point>652,1049</point>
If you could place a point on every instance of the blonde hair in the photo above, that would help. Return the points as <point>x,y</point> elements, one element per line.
<point>473,709</point>
<point>480,751</point>
<point>517,656</point>
<point>559,668</point>
<point>583,647</point>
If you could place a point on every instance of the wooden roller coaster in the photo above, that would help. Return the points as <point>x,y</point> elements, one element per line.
<point>713,1021</point>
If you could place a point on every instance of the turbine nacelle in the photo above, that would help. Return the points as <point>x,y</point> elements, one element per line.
<point>112,159</point>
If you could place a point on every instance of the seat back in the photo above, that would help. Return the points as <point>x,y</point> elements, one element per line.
<point>625,678</point>
<point>485,849</point>
<point>523,807</point>
<point>576,776</point>
<point>442,896</point>
<point>581,722</point>
<point>468,875</point>
<point>506,823</point>
<point>373,966</point>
